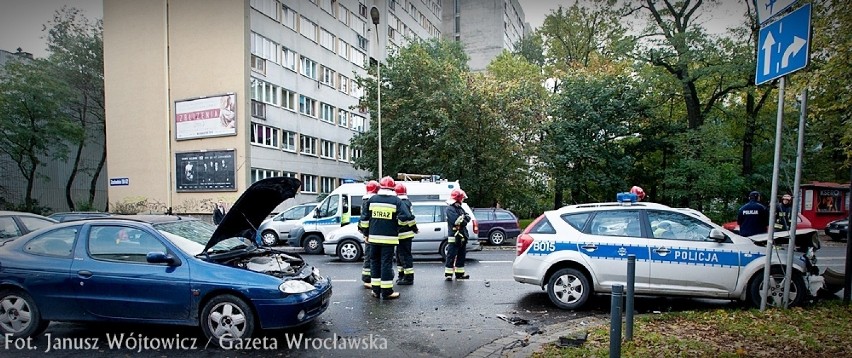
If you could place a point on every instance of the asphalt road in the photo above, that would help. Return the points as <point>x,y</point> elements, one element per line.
<point>433,318</point>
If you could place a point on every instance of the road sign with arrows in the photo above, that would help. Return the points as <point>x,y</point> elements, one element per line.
<point>783,45</point>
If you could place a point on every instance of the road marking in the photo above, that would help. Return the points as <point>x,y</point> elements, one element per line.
<point>483,280</point>
<point>495,262</point>
<point>423,262</point>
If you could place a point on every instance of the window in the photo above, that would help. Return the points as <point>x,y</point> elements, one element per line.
<point>578,221</point>
<point>264,48</point>
<point>307,28</point>
<point>288,58</point>
<point>357,123</point>
<point>343,15</point>
<point>288,141</point>
<point>58,243</point>
<point>327,76</point>
<point>328,6</point>
<point>267,7</point>
<point>117,243</point>
<point>309,145</point>
<point>343,152</point>
<point>344,84</point>
<point>309,68</point>
<point>623,223</point>
<point>258,64</point>
<point>289,99</point>
<point>288,17</point>
<point>327,40</point>
<point>356,153</point>
<point>343,118</point>
<point>392,4</point>
<point>327,185</point>
<point>258,109</point>
<point>289,175</point>
<point>259,174</point>
<point>427,214</point>
<point>264,135</point>
<point>265,92</point>
<point>307,106</point>
<point>362,42</point>
<point>676,226</point>
<point>309,183</point>
<point>327,113</point>
<point>327,149</point>
<point>343,49</point>
<point>359,58</point>
<point>362,10</point>
<point>34,223</point>
<point>8,228</point>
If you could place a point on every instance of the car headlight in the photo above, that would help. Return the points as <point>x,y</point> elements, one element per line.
<point>296,286</point>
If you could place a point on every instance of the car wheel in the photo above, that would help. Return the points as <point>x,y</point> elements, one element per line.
<point>443,250</point>
<point>227,318</point>
<point>313,244</point>
<point>19,316</point>
<point>497,237</point>
<point>798,291</point>
<point>349,251</point>
<point>269,237</point>
<point>568,289</point>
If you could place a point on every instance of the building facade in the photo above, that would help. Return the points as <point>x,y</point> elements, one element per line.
<point>484,27</point>
<point>204,97</point>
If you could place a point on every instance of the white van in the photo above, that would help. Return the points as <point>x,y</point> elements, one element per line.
<point>312,229</point>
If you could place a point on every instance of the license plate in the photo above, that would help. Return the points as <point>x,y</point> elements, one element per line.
<point>834,231</point>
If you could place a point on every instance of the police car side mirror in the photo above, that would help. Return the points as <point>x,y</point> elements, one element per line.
<point>717,235</point>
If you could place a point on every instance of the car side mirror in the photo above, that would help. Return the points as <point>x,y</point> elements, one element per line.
<point>717,235</point>
<point>161,258</point>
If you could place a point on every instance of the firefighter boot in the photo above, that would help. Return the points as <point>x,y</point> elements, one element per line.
<point>460,275</point>
<point>405,280</point>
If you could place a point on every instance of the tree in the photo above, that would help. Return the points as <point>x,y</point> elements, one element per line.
<point>33,122</point>
<point>76,58</point>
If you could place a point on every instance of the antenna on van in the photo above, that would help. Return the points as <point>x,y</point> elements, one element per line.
<point>419,177</point>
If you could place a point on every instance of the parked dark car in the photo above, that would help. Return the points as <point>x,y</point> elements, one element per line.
<point>16,223</point>
<point>496,225</point>
<point>77,215</point>
<point>162,269</point>
<point>837,229</point>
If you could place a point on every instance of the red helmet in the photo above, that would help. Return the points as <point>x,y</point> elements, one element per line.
<point>640,194</point>
<point>372,187</point>
<point>387,183</point>
<point>400,189</point>
<point>458,195</point>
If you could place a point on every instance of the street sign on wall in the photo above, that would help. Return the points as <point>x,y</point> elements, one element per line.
<point>768,8</point>
<point>782,46</point>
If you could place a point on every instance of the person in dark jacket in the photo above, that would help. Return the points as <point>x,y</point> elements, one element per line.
<point>404,259</point>
<point>753,216</point>
<point>219,213</point>
<point>784,213</point>
<point>381,224</point>
<point>372,187</point>
<point>457,220</point>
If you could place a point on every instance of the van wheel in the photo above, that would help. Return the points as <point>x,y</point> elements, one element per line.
<point>313,244</point>
<point>798,290</point>
<point>568,289</point>
<point>497,237</point>
<point>349,251</point>
<point>269,237</point>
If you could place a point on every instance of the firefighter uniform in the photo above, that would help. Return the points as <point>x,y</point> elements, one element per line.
<point>381,222</point>
<point>457,221</point>
<point>404,259</point>
<point>365,270</point>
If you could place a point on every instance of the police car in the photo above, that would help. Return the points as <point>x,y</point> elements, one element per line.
<point>581,250</point>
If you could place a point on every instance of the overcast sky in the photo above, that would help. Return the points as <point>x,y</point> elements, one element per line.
<point>21,21</point>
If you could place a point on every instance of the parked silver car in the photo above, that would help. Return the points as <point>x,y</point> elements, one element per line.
<point>273,228</point>
<point>347,243</point>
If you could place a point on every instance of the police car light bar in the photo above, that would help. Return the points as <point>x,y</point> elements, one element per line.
<point>626,198</point>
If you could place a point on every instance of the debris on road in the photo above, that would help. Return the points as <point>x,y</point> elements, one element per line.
<point>513,320</point>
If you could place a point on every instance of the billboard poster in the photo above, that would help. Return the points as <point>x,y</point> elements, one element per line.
<point>206,117</point>
<point>211,170</point>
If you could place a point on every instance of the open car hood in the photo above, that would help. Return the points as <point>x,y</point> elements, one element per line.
<point>252,207</point>
<point>804,238</point>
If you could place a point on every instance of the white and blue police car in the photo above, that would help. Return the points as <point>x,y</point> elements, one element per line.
<point>581,250</point>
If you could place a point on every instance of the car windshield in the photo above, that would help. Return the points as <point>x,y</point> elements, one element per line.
<point>192,235</point>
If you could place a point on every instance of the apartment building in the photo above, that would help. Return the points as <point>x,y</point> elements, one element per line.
<point>484,27</point>
<point>204,97</point>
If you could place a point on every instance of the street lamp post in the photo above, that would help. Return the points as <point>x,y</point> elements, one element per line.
<point>374,13</point>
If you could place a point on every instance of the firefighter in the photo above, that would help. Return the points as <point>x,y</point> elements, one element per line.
<point>457,220</point>
<point>372,189</point>
<point>381,223</point>
<point>404,260</point>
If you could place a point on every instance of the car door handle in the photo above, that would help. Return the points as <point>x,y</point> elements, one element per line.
<point>589,247</point>
<point>437,229</point>
<point>662,251</point>
<point>84,273</point>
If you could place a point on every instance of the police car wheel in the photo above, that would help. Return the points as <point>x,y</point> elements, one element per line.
<point>269,237</point>
<point>775,298</point>
<point>568,289</point>
<point>349,251</point>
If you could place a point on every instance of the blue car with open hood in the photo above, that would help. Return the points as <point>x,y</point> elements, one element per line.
<point>164,270</point>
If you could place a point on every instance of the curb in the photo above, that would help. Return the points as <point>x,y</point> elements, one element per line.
<point>523,344</point>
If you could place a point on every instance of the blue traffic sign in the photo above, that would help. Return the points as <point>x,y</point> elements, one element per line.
<point>782,46</point>
<point>766,9</point>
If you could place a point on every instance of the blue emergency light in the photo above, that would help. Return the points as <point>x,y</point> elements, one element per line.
<point>626,198</point>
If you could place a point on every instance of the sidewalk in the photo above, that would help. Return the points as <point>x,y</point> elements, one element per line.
<point>523,344</point>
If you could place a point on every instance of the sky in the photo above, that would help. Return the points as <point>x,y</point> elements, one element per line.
<point>22,21</point>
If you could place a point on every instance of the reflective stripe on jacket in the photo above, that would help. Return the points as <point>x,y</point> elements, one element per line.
<point>385,215</point>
